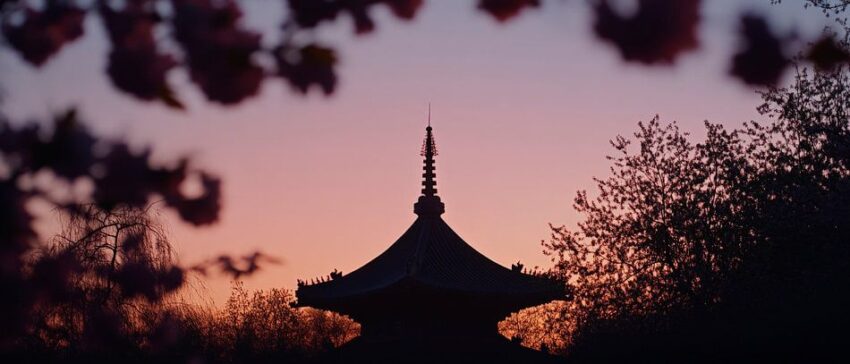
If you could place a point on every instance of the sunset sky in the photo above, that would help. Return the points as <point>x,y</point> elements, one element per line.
<point>522,114</point>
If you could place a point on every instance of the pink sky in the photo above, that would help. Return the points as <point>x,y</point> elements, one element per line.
<point>522,115</point>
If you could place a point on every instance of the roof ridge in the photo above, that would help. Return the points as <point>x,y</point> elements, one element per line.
<point>415,260</point>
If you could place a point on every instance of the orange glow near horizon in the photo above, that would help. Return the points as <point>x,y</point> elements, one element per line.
<point>522,115</point>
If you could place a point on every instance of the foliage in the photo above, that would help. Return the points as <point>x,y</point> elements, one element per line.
<point>540,327</point>
<point>46,165</point>
<point>261,327</point>
<point>228,61</point>
<point>108,274</point>
<point>658,32</point>
<point>659,233</point>
<point>116,293</point>
<point>267,319</point>
<point>718,244</point>
<point>113,259</point>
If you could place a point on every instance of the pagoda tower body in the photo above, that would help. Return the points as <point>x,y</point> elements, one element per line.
<point>431,297</point>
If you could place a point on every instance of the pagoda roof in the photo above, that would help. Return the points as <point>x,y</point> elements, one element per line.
<point>432,257</point>
<point>432,254</point>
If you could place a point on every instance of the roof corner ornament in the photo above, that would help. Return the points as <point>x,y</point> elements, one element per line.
<point>429,203</point>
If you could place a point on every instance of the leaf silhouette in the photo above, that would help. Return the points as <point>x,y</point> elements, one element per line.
<point>220,53</point>
<point>826,54</point>
<point>308,66</point>
<point>42,33</point>
<point>762,60</point>
<point>658,32</point>
<point>135,64</point>
<point>504,10</point>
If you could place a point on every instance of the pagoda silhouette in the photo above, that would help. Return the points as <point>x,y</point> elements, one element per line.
<point>431,297</point>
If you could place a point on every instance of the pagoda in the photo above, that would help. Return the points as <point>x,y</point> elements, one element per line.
<point>431,297</point>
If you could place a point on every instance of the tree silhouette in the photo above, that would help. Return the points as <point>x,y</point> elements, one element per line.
<point>105,274</point>
<point>112,254</point>
<point>108,288</point>
<point>730,249</point>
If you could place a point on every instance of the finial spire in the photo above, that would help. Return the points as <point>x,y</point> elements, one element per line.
<point>429,203</point>
<point>429,151</point>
